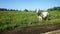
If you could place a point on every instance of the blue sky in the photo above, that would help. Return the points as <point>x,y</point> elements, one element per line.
<point>29,4</point>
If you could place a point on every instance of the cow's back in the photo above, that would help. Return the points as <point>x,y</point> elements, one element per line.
<point>45,14</point>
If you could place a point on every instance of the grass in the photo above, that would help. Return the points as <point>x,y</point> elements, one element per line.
<point>13,19</point>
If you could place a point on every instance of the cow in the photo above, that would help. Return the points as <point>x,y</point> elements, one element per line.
<point>41,15</point>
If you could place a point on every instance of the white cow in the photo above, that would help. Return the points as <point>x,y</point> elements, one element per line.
<point>42,15</point>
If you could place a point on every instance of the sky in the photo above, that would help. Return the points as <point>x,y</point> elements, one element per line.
<point>29,4</point>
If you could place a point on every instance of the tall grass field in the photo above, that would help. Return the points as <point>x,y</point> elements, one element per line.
<point>16,19</point>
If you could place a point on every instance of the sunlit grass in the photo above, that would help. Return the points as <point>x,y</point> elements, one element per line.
<point>14,19</point>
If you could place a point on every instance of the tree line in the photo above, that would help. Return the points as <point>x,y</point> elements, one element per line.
<point>4,9</point>
<point>50,9</point>
<point>54,8</point>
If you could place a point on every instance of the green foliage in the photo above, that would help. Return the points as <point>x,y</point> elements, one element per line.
<point>54,9</point>
<point>26,10</point>
<point>14,19</point>
<point>3,9</point>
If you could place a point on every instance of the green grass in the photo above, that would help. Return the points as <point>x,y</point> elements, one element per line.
<point>13,19</point>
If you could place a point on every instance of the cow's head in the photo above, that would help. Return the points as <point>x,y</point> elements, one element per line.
<point>36,10</point>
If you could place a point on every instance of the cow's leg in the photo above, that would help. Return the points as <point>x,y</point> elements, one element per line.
<point>40,18</point>
<point>45,18</point>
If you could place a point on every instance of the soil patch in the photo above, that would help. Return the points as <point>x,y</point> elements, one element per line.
<point>32,30</point>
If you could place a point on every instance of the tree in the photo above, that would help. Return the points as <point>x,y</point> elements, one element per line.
<point>50,9</point>
<point>54,8</point>
<point>26,10</point>
<point>3,9</point>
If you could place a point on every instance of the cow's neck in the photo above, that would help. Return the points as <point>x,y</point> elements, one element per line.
<point>37,11</point>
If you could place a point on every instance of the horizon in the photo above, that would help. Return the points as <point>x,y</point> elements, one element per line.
<point>29,4</point>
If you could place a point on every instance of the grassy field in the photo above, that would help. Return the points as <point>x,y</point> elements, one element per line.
<point>13,19</point>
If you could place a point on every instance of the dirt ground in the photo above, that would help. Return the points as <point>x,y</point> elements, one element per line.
<point>32,30</point>
<point>53,32</point>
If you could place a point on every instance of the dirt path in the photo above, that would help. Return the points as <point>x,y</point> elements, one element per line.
<point>53,32</point>
<point>32,30</point>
